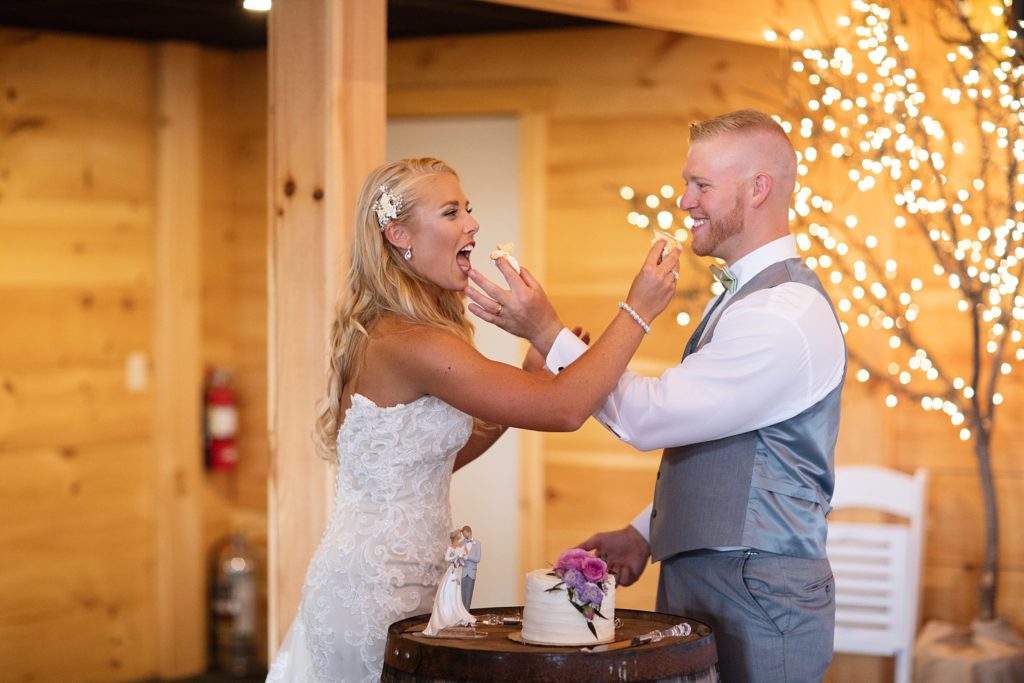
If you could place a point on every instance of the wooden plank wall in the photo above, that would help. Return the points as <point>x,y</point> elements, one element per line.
<point>77,194</point>
<point>234,311</point>
<point>78,481</point>
<point>621,102</point>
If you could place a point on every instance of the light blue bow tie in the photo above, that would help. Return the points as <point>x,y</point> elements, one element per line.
<point>724,276</point>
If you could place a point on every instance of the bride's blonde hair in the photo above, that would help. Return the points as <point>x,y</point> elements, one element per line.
<point>380,283</point>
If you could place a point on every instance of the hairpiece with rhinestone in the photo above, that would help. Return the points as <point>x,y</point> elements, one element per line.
<point>387,206</point>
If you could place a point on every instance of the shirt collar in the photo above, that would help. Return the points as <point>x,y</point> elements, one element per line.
<point>753,263</point>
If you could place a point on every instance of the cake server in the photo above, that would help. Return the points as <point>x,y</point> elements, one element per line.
<point>678,630</point>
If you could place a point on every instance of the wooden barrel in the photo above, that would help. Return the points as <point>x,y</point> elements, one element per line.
<point>495,656</point>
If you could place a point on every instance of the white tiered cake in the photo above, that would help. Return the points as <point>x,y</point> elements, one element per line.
<point>550,619</point>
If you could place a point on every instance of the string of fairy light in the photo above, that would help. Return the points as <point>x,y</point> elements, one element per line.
<point>865,110</point>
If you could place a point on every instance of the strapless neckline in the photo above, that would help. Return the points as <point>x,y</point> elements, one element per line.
<point>398,406</point>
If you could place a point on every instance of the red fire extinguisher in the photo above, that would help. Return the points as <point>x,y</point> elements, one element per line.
<point>221,422</point>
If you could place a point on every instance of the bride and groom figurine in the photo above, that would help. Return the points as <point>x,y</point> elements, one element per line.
<point>455,592</point>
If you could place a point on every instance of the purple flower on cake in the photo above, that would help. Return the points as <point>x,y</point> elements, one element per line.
<point>583,578</point>
<point>588,600</point>
<point>590,594</point>
<point>573,578</point>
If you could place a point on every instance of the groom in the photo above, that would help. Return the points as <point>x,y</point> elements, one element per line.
<point>748,419</point>
<point>472,547</point>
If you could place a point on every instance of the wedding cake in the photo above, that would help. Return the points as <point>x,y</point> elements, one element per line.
<point>571,604</point>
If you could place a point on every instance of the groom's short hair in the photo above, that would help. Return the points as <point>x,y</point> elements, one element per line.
<point>468,530</point>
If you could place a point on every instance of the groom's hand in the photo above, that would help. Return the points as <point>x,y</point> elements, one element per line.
<point>582,333</point>
<point>626,550</point>
<point>522,310</point>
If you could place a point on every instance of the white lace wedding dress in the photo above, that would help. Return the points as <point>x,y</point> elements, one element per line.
<point>382,554</point>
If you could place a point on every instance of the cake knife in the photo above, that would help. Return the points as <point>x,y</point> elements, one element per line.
<point>683,629</point>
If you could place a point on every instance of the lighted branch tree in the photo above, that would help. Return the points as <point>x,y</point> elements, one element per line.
<point>930,159</point>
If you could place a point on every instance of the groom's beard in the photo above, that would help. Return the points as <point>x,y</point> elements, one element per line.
<point>719,230</point>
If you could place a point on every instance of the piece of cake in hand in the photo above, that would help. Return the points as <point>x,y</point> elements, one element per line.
<point>670,242</point>
<point>505,251</point>
<point>571,604</point>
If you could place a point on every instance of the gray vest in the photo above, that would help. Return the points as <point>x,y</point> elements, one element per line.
<point>767,489</point>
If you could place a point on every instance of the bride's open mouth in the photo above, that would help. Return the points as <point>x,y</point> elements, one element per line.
<point>462,258</point>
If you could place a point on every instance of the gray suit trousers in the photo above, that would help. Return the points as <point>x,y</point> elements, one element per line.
<point>467,590</point>
<point>773,616</point>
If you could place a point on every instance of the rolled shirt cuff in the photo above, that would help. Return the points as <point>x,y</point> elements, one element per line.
<point>566,348</point>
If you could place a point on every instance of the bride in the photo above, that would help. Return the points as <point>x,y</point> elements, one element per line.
<point>449,609</point>
<point>409,399</point>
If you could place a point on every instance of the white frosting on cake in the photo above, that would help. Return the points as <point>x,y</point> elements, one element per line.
<point>550,619</point>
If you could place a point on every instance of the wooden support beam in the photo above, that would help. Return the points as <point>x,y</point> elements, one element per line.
<point>327,131</point>
<point>179,566</point>
<point>744,21</point>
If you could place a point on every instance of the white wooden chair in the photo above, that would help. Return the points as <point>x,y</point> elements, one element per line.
<point>877,567</point>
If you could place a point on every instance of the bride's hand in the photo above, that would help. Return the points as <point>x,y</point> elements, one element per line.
<point>523,310</point>
<point>655,284</point>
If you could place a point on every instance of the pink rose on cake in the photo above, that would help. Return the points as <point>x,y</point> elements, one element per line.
<point>573,558</point>
<point>594,569</point>
<point>583,577</point>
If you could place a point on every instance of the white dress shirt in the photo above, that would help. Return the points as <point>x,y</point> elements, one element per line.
<point>774,353</point>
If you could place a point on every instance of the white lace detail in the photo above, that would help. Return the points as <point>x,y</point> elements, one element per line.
<point>382,554</point>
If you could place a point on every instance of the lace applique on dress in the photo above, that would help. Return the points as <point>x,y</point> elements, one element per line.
<point>382,553</point>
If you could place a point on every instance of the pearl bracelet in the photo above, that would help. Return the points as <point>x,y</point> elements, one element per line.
<point>635,316</point>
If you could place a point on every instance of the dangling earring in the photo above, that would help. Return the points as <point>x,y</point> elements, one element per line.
<point>408,253</point>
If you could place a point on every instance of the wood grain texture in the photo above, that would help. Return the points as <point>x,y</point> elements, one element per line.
<point>747,21</point>
<point>234,295</point>
<point>326,132</point>
<point>177,379</point>
<point>77,211</point>
<point>78,299</point>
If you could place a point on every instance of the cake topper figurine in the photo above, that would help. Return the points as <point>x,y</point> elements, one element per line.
<point>448,608</point>
<point>472,547</point>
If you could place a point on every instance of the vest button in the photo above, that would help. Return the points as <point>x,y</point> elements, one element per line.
<point>654,513</point>
<point>659,475</point>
